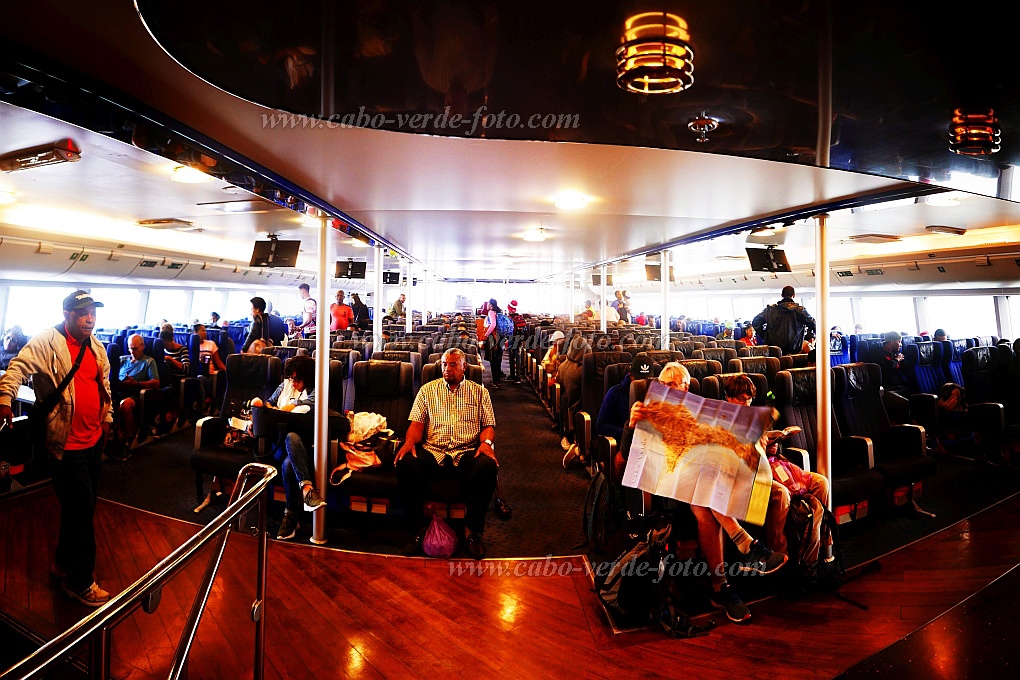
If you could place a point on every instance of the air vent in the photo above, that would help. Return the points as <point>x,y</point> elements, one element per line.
<point>874,238</point>
<point>147,263</point>
<point>844,273</point>
<point>944,229</point>
<point>874,272</point>
<point>731,257</point>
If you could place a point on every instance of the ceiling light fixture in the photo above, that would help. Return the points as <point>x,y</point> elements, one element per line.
<point>655,56</point>
<point>185,174</point>
<point>702,125</point>
<point>946,200</point>
<point>945,229</point>
<point>974,134</point>
<point>7,197</point>
<point>535,235</point>
<point>571,200</point>
<point>64,151</point>
<point>169,223</point>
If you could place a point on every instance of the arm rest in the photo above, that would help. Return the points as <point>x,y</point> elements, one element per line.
<point>901,441</point>
<point>209,431</point>
<point>924,409</point>
<point>605,450</point>
<point>798,457</point>
<point>582,433</point>
<point>988,420</point>
<point>852,453</point>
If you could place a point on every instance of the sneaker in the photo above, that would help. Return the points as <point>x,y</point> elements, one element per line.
<point>762,560</point>
<point>570,456</point>
<point>93,596</point>
<point>565,444</point>
<point>475,546</point>
<point>288,527</point>
<point>312,500</point>
<point>415,546</point>
<point>728,601</point>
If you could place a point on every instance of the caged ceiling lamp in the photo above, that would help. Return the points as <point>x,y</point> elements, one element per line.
<point>974,134</point>
<point>655,56</point>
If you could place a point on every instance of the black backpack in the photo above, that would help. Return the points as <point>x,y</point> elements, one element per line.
<point>807,525</point>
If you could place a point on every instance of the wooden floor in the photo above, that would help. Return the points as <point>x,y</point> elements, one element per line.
<point>333,614</point>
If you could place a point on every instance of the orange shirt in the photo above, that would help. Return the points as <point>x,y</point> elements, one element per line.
<point>86,421</point>
<point>342,317</point>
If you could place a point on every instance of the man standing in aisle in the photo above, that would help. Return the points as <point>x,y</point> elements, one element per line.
<point>783,324</point>
<point>397,310</point>
<point>70,372</point>
<point>310,311</point>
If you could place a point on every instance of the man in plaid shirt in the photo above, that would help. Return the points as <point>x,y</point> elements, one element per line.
<point>450,436</point>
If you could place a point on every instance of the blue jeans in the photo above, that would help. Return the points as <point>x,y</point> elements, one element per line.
<point>295,470</point>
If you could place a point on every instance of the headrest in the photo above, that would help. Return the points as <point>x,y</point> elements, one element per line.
<point>758,351</point>
<point>858,380</point>
<point>754,365</point>
<point>804,381</point>
<point>401,347</point>
<point>392,355</point>
<point>927,353</point>
<point>978,359</point>
<point>252,371</point>
<point>959,347</point>
<point>602,359</point>
<point>700,368</point>
<point>659,356</point>
<point>382,379</point>
<point>714,353</point>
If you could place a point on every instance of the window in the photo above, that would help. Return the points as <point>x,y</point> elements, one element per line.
<point>238,305</point>
<point>962,316</point>
<point>120,307</point>
<point>746,308</point>
<point>840,312</point>
<point>204,303</point>
<point>166,304</point>
<point>883,314</point>
<point>697,308</point>
<point>36,308</point>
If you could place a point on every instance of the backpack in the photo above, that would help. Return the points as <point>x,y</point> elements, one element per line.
<point>604,511</point>
<point>504,326</point>
<point>520,324</point>
<point>807,525</point>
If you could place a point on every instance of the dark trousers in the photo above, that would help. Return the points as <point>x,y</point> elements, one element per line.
<point>76,481</point>
<point>494,350</point>
<point>477,477</point>
<point>514,346</point>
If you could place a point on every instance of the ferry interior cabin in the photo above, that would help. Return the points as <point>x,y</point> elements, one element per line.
<point>813,205</point>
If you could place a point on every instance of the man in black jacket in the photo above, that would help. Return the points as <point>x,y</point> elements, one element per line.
<point>783,323</point>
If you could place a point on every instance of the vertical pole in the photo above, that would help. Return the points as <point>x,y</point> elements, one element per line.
<point>377,294</point>
<point>425,306</point>
<point>408,316</point>
<point>823,396</point>
<point>602,301</point>
<point>570,284</point>
<point>260,584</point>
<point>99,654</point>
<point>664,280</point>
<point>322,381</point>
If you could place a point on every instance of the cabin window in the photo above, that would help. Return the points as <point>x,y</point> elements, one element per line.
<point>204,303</point>
<point>840,312</point>
<point>889,313</point>
<point>238,305</point>
<point>962,316</point>
<point>120,308</point>
<point>747,308</point>
<point>37,308</point>
<point>166,304</point>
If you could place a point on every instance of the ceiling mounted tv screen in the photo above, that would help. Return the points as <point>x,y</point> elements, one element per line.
<point>391,278</point>
<point>767,260</point>
<point>275,253</point>
<point>350,269</point>
<point>653,273</point>
<point>596,279</point>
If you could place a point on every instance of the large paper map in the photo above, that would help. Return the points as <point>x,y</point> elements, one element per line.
<point>702,451</point>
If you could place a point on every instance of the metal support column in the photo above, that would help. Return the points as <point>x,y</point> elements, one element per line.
<point>664,323</point>
<point>408,316</point>
<point>823,393</point>
<point>601,306</point>
<point>378,305</point>
<point>322,346</point>
<point>570,284</point>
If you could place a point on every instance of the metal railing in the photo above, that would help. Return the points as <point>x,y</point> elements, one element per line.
<point>96,629</point>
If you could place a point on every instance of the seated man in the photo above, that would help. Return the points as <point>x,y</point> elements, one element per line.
<point>712,523</point>
<point>137,372</point>
<point>787,478</point>
<point>940,335</point>
<point>615,410</point>
<point>297,389</point>
<point>894,380</point>
<point>450,435</point>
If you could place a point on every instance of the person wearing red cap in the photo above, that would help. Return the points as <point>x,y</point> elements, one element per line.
<point>515,343</point>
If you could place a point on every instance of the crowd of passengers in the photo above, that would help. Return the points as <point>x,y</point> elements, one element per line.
<point>442,442</point>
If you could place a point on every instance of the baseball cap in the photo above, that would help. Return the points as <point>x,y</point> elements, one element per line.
<point>641,368</point>
<point>892,336</point>
<point>557,335</point>
<point>79,299</point>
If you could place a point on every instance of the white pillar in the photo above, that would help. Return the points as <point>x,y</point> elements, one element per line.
<point>602,300</point>
<point>921,315</point>
<point>570,283</point>
<point>823,396</point>
<point>378,294</point>
<point>322,382</point>
<point>408,316</point>
<point>664,280</point>
<point>1003,322</point>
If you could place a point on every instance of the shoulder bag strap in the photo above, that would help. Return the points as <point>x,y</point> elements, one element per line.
<point>50,402</point>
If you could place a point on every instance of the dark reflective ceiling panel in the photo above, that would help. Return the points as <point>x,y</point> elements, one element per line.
<point>546,71</point>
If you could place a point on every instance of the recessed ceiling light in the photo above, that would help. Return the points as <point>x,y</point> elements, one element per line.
<point>571,200</point>
<point>7,197</point>
<point>185,174</point>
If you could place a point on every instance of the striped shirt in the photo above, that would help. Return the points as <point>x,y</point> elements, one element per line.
<point>180,354</point>
<point>453,417</point>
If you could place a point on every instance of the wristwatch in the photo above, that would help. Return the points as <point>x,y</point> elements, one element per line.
<point>489,442</point>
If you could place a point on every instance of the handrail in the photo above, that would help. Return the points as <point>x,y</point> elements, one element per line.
<point>146,591</point>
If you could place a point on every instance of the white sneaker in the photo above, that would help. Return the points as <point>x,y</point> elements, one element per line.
<point>570,456</point>
<point>564,444</point>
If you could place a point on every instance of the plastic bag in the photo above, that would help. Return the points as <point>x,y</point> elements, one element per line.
<point>440,540</point>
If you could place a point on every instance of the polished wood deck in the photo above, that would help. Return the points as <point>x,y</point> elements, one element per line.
<point>332,613</point>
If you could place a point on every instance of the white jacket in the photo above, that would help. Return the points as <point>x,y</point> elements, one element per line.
<point>47,360</point>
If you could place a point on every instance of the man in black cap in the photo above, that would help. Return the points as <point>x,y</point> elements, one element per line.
<point>70,373</point>
<point>615,409</point>
<point>783,324</point>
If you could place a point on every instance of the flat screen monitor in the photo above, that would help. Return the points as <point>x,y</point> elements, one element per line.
<point>767,260</point>
<point>391,278</point>
<point>275,253</point>
<point>653,272</point>
<point>350,269</point>
<point>596,279</point>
